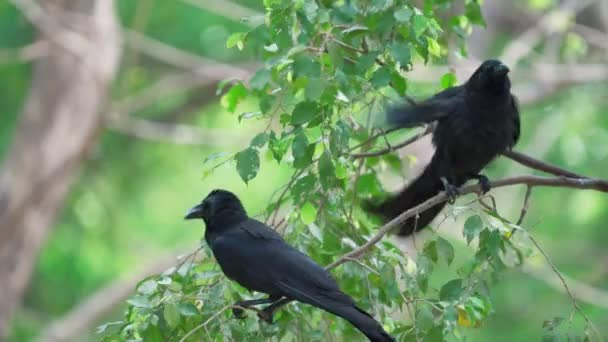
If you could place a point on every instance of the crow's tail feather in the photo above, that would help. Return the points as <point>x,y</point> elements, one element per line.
<point>363,322</point>
<point>427,185</point>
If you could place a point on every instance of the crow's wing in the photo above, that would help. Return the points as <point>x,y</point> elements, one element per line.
<point>432,109</point>
<point>257,257</point>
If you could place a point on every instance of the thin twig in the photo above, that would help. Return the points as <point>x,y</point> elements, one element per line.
<point>362,265</point>
<point>389,149</point>
<point>374,137</point>
<point>202,325</point>
<point>287,187</point>
<point>563,281</point>
<point>539,165</point>
<point>524,208</point>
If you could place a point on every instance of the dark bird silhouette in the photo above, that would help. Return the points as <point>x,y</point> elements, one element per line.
<point>255,256</point>
<point>475,122</point>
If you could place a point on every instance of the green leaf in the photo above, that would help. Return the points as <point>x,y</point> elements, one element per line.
<point>398,83</point>
<point>315,88</point>
<point>249,115</point>
<point>304,112</point>
<point>401,53</point>
<point>187,309</point>
<point>271,48</point>
<point>147,287</point>
<point>448,80</point>
<point>152,334</point>
<point>231,99</point>
<point>247,164</point>
<point>403,15</point>
<point>473,13</point>
<point>109,328</point>
<point>553,323</point>
<point>308,213</point>
<point>303,186</point>
<point>420,25</point>
<point>259,140</point>
<point>433,47</point>
<point>424,318</point>
<point>451,290</point>
<point>472,227</point>
<point>260,79</point>
<point>305,66</point>
<point>368,185</point>
<point>490,243</point>
<point>278,147</point>
<point>435,335</point>
<point>338,138</point>
<point>327,172</point>
<point>171,314</point>
<point>214,156</point>
<point>302,151</point>
<point>341,169</point>
<point>381,77</point>
<point>430,250</point>
<point>445,250</point>
<point>366,61</point>
<point>139,301</point>
<point>236,39</point>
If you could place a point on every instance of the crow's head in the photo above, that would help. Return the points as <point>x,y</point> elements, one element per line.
<point>490,77</point>
<point>218,202</point>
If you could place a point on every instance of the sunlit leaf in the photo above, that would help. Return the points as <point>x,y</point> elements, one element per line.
<point>308,213</point>
<point>247,164</point>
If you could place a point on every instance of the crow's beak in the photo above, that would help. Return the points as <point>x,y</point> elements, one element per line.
<point>195,212</point>
<point>501,70</point>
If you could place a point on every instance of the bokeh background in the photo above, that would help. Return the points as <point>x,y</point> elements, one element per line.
<point>100,164</point>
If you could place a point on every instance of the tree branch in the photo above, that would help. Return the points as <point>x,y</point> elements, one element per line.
<point>389,149</point>
<point>183,59</point>
<point>549,23</point>
<point>519,157</point>
<point>539,165</point>
<point>530,181</point>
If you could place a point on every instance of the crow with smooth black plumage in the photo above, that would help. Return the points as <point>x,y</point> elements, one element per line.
<point>255,256</point>
<point>475,122</point>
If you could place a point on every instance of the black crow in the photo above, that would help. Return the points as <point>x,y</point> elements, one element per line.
<point>475,122</point>
<point>255,256</point>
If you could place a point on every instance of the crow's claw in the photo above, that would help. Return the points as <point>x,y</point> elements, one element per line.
<point>484,183</point>
<point>266,316</point>
<point>239,313</point>
<point>450,190</point>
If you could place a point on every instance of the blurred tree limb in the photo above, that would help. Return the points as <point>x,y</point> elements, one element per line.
<point>61,119</point>
<point>103,301</point>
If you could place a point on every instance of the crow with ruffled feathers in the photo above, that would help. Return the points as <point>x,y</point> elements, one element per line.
<point>475,122</point>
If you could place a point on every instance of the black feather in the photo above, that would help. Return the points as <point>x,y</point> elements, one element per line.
<point>475,122</point>
<point>255,256</point>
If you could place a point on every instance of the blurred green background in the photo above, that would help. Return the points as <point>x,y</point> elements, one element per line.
<point>125,211</point>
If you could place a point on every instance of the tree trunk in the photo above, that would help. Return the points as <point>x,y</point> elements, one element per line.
<point>61,119</point>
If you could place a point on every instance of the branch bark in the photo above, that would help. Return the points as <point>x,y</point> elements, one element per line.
<point>60,121</point>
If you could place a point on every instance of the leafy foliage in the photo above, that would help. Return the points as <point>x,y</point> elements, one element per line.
<point>329,66</point>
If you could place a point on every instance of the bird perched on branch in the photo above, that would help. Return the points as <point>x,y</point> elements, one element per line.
<point>255,256</point>
<point>475,122</point>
